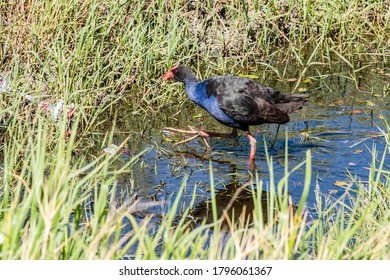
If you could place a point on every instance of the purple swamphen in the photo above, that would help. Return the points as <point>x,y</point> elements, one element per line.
<point>235,101</point>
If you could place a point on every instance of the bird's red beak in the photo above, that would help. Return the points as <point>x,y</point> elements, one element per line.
<point>168,76</point>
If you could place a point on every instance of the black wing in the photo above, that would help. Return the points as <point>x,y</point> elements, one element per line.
<point>247,101</point>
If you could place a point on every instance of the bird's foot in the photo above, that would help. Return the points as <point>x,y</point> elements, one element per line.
<point>195,134</point>
<point>200,133</point>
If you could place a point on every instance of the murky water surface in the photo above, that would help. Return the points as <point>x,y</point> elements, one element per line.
<point>340,124</point>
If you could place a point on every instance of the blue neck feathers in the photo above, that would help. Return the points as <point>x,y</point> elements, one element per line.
<point>198,94</point>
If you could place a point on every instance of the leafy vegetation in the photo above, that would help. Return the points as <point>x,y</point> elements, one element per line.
<point>58,190</point>
<point>92,51</point>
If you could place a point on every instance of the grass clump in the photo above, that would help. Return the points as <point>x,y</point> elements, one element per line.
<point>56,204</point>
<point>95,51</point>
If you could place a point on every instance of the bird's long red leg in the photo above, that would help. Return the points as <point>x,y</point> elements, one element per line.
<point>252,141</point>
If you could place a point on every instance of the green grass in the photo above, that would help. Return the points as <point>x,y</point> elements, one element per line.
<point>58,191</point>
<point>84,50</point>
<point>54,205</point>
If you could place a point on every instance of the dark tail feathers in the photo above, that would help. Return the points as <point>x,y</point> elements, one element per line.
<point>295,103</point>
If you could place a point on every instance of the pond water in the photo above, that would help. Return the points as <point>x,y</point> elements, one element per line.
<point>340,124</point>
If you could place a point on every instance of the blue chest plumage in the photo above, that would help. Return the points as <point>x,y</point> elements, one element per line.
<point>197,93</point>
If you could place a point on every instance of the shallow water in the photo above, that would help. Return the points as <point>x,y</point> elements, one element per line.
<point>340,122</point>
